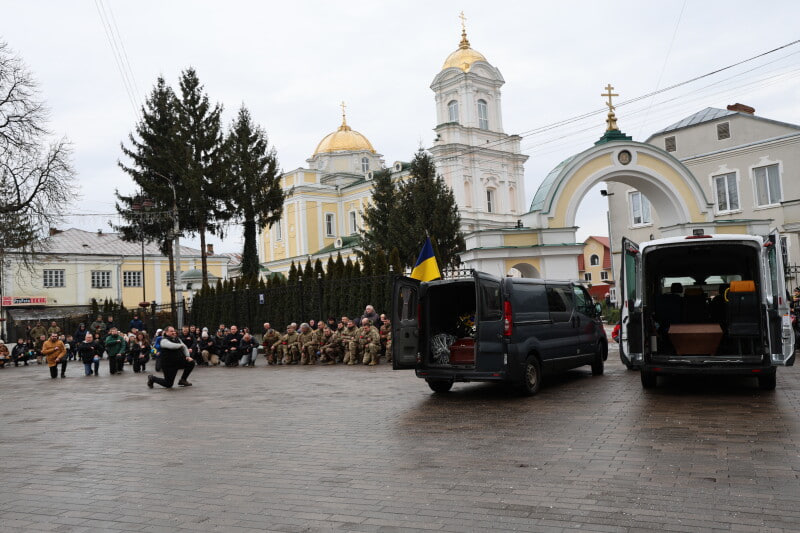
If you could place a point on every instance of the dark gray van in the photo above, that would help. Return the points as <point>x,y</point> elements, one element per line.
<point>484,328</point>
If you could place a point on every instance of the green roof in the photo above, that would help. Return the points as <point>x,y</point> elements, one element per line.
<point>347,242</point>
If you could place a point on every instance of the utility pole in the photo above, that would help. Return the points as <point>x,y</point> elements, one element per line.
<point>176,246</point>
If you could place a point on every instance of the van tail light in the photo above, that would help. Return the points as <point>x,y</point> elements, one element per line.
<point>507,318</point>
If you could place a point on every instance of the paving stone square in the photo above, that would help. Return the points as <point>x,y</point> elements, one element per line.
<point>321,448</point>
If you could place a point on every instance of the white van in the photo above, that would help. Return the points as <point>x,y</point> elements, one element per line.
<point>713,304</point>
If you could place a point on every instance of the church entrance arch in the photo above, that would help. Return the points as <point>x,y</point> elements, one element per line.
<point>669,186</point>
<point>523,270</point>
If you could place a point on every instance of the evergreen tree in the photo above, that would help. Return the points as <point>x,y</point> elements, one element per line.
<point>377,231</point>
<point>257,201</point>
<point>380,271</point>
<point>203,181</point>
<point>426,205</point>
<point>394,262</point>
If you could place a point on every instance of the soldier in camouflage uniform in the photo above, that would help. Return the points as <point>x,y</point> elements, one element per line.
<point>348,335</point>
<point>288,347</point>
<point>271,337</point>
<point>334,349</point>
<point>368,343</point>
<point>386,337</point>
<point>308,345</point>
<point>325,337</point>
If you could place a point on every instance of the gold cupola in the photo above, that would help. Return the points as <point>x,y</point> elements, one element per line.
<point>345,139</point>
<point>465,56</point>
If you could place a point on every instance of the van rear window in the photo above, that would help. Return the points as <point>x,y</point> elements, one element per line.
<point>530,302</point>
<point>491,303</point>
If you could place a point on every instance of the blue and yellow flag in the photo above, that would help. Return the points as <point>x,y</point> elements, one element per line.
<point>426,268</point>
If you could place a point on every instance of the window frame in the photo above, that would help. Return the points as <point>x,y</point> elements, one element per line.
<point>132,278</point>
<point>365,164</point>
<point>452,111</point>
<point>57,278</point>
<point>278,229</point>
<point>670,142</point>
<point>770,203</point>
<point>594,260</point>
<point>604,275</point>
<point>719,125</point>
<point>587,276</point>
<point>352,217</point>
<point>100,279</point>
<point>643,223</point>
<point>726,176</point>
<point>483,115</point>
<point>330,223</point>
<point>490,201</point>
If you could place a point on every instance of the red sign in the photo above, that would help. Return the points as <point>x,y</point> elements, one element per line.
<point>8,301</point>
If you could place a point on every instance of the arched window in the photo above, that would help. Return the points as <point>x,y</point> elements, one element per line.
<point>452,111</point>
<point>594,260</point>
<point>364,165</point>
<point>483,115</point>
<point>490,207</point>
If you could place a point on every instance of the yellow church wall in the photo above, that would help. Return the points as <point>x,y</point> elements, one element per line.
<point>309,177</point>
<point>290,242</point>
<point>676,180</point>
<point>520,239</point>
<point>737,229</point>
<point>312,225</point>
<point>288,179</point>
<point>570,188</point>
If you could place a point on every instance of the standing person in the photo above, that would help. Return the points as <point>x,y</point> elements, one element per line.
<point>115,345</point>
<point>156,351</point>
<point>98,327</point>
<point>54,328</point>
<point>67,355</point>
<point>90,353</point>
<point>140,352</point>
<point>71,344</point>
<point>270,338</point>
<point>110,323</point>
<point>37,331</point>
<point>38,348</point>
<point>386,338</point>
<point>136,323</point>
<point>18,352</point>
<point>80,333</point>
<point>231,346</point>
<point>174,356</point>
<point>54,351</point>
<point>369,312</point>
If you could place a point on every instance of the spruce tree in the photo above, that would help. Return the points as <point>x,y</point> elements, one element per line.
<point>254,178</point>
<point>377,231</point>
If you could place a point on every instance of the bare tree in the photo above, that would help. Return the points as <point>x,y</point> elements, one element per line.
<point>35,171</point>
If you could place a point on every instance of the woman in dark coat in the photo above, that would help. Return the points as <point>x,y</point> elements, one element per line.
<point>90,353</point>
<point>139,350</point>
<point>80,333</point>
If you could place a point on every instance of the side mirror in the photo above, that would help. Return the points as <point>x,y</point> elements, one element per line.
<point>599,309</point>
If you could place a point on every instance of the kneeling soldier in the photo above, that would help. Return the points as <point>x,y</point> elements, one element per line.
<point>308,345</point>
<point>369,342</point>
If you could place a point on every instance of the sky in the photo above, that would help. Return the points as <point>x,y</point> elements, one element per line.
<point>292,63</point>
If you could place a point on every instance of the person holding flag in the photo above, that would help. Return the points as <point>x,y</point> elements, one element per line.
<point>426,268</point>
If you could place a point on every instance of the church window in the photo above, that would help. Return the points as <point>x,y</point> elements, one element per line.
<point>640,209</point>
<point>669,144</point>
<point>364,165</point>
<point>490,201</point>
<point>452,111</point>
<point>594,260</point>
<point>353,223</point>
<point>483,115</point>
<point>330,225</point>
<point>278,232</point>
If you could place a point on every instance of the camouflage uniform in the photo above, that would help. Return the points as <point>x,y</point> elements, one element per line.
<point>368,344</point>
<point>334,348</point>
<point>386,340</point>
<point>288,348</point>
<point>348,336</point>
<point>308,347</point>
<point>324,336</point>
<point>271,339</point>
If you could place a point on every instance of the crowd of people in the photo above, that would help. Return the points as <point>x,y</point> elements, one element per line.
<point>351,341</point>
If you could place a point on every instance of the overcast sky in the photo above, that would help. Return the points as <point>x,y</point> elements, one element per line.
<point>291,63</point>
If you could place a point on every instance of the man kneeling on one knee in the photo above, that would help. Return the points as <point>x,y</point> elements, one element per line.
<point>174,356</point>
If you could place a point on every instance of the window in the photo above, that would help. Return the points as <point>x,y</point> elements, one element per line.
<point>669,144</point>
<point>612,294</point>
<point>353,223</point>
<point>727,192</point>
<point>604,275</point>
<point>594,260</point>
<point>583,301</point>
<point>169,278</point>
<point>483,115</point>
<point>330,225</point>
<point>132,278</point>
<point>490,201</point>
<point>640,209</point>
<point>768,185</point>
<point>452,111</point>
<point>491,305</point>
<point>785,250</point>
<point>559,302</point>
<point>364,165</point>
<point>101,279</point>
<point>587,276</point>
<point>278,232</point>
<point>723,130</point>
<point>53,278</point>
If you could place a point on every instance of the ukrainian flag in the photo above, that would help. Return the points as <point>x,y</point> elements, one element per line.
<point>426,268</point>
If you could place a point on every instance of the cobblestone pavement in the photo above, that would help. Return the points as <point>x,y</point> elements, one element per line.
<point>369,449</point>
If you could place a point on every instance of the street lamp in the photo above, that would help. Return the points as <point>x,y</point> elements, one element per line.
<point>176,249</point>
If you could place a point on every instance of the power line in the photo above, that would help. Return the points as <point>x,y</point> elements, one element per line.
<point>126,83</point>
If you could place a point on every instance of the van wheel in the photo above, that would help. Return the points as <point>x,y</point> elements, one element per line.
<point>767,382</point>
<point>649,380</point>
<point>597,363</point>
<point>532,379</point>
<point>440,385</point>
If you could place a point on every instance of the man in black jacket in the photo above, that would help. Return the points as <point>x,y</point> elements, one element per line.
<point>174,356</point>
<point>188,338</point>
<point>231,347</point>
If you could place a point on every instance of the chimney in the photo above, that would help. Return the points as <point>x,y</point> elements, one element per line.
<point>209,249</point>
<point>741,108</point>
<point>54,231</point>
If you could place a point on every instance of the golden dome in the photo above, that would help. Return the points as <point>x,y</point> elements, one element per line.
<point>344,139</point>
<point>464,57</point>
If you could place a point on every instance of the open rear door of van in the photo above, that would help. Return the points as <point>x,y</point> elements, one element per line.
<point>781,336</point>
<point>405,323</point>
<point>490,342</point>
<point>631,332</point>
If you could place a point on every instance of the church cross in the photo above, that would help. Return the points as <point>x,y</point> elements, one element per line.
<point>342,105</point>
<point>609,94</point>
<point>463,21</point>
